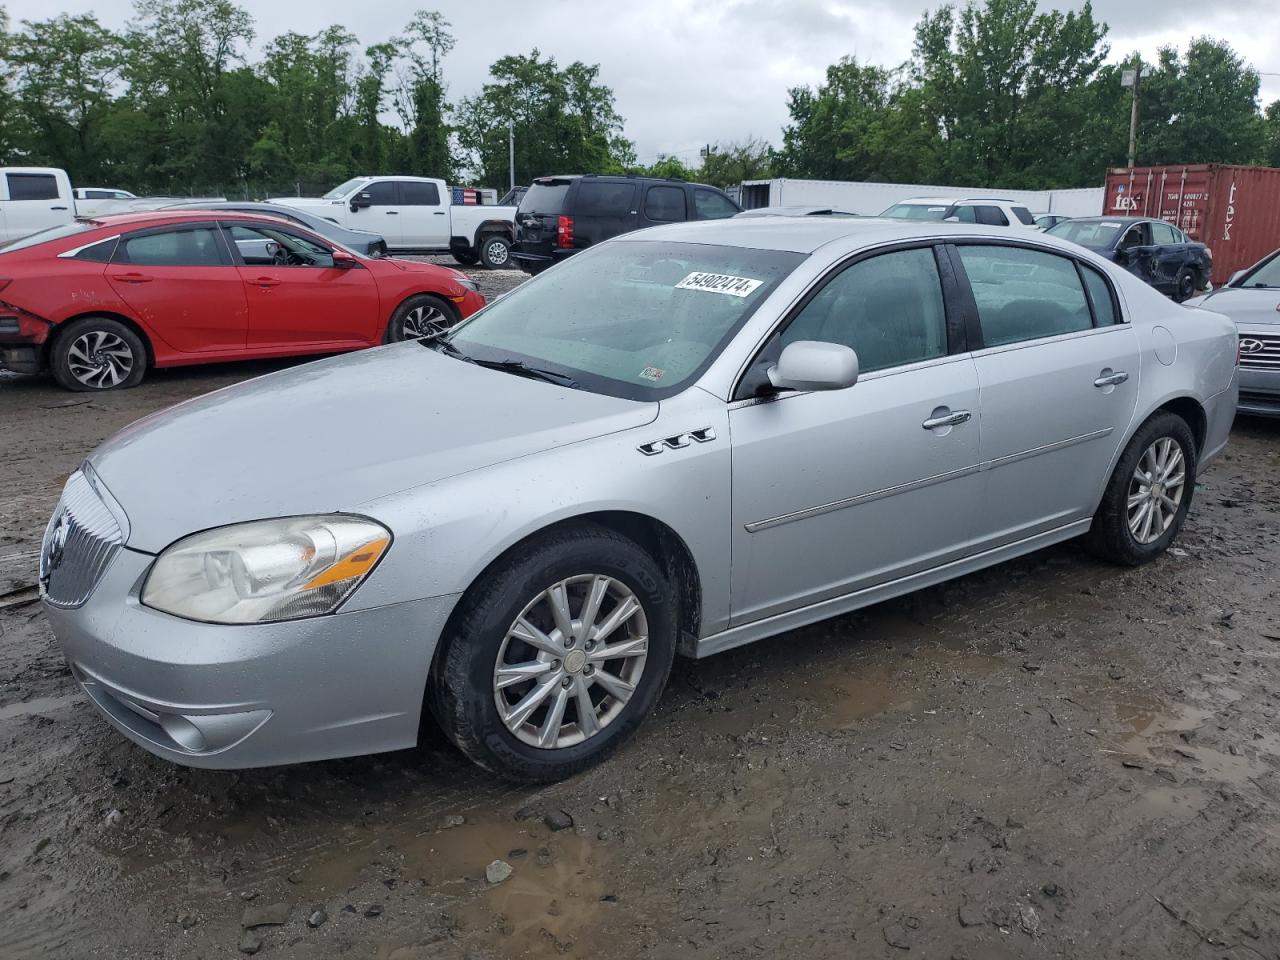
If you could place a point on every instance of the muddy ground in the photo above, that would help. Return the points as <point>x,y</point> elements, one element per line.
<point>1052,758</point>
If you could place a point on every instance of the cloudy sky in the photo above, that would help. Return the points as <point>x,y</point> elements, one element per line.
<point>686,72</point>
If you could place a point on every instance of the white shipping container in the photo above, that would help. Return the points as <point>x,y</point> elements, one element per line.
<point>872,199</point>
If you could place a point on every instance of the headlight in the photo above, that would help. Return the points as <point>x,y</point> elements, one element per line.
<point>467,283</point>
<point>266,570</point>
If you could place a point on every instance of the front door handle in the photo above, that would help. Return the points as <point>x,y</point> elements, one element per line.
<point>265,282</point>
<point>1111,379</point>
<point>393,213</point>
<point>438,213</point>
<point>947,420</point>
<point>57,208</point>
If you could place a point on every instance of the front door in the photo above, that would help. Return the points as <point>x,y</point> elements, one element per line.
<point>182,285</point>
<point>297,297</point>
<point>424,215</point>
<point>841,490</point>
<point>1059,380</point>
<point>378,210</point>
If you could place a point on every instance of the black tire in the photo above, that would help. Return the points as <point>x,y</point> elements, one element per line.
<point>1110,536</point>
<point>1186,284</point>
<point>121,347</point>
<point>468,258</point>
<point>396,326</point>
<point>461,691</point>
<point>495,251</point>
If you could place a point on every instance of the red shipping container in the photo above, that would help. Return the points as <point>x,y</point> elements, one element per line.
<point>1234,211</point>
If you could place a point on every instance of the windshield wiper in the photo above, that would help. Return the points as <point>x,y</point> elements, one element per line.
<point>522,369</point>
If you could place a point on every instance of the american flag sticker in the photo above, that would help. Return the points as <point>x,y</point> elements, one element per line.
<point>465,197</point>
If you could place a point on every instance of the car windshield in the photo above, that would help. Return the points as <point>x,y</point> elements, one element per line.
<point>1099,234</point>
<point>635,319</point>
<point>53,233</point>
<point>917,211</point>
<point>1266,275</point>
<point>337,193</point>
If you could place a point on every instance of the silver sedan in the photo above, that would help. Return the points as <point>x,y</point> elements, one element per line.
<point>680,441</point>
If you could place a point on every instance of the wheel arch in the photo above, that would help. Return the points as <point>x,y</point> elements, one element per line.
<point>1190,410</point>
<point>486,227</point>
<point>62,326</point>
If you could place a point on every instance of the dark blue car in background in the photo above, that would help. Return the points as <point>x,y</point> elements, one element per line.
<point>1154,250</point>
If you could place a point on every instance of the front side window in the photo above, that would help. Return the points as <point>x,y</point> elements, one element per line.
<point>665,204</point>
<point>965,214</point>
<point>32,186</point>
<point>636,319</point>
<point>888,308</point>
<point>380,194</point>
<point>596,199</point>
<point>414,193</point>
<point>273,247</point>
<point>194,247</point>
<point>1024,294</point>
<point>711,205</point>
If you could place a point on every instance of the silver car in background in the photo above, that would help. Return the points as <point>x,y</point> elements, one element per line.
<point>1252,299</point>
<point>681,440</point>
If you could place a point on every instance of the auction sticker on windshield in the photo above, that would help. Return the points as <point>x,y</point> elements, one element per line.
<point>719,283</point>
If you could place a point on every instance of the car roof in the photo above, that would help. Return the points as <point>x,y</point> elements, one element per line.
<point>807,234</point>
<point>1115,220</point>
<point>939,201</point>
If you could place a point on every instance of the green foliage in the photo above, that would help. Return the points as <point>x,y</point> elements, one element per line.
<point>564,121</point>
<point>728,164</point>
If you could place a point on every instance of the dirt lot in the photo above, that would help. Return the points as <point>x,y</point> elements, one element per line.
<point>1053,758</point>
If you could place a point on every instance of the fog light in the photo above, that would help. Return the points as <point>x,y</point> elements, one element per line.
<point>182,731</point>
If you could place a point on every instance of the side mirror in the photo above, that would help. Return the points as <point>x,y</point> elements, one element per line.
<point>1231,281</point>
<point>344,261</point>
<point>951,219</point>
<point>360,201</point>
<point>814,365</point>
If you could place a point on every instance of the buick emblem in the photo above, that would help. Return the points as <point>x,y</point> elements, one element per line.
<point>1250,345</point>
<point>54,548</point>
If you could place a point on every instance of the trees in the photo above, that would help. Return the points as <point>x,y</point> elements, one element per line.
<point>728,164</point>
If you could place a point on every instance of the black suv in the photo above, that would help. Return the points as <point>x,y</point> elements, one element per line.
<point>561,215</point>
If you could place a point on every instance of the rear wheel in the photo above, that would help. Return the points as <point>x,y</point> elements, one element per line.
<point>1186,285</point>
<point>98,353</point>
<point>556,656</point>
<point>495,251</point>
<point>420,317</point>
<point>1147,498</point>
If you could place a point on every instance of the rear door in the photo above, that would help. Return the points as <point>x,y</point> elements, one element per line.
<point>34,203</point>
<point>424,215</point>
<point>181,283</point>
<point>296,296</point>
<point>664,203</point>
<point>546,200</point>
<point>1059,382</point>
<point>602,209</point>
<point>382,215</point>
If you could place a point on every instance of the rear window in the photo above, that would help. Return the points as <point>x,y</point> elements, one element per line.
<point>32,186</point>
<point>45,236</point>
<point>596,199</point>
<point>1024,215</point>
<point>1099,234</point>
<point>545,197</point>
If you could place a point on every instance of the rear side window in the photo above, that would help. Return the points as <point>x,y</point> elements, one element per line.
<point>32,186</point>
<point>1163,233</point>
<point>99,252</point>
<point>1024,216</point>
<point>991,216</point>
<point>596,199</point>
<point>545,197</point>
<point>197,247</point>
<point>415,194</point>
<point>1104,306</point>
<point>1024,294</point>
<point>665,204</point>
<point>710,205</point>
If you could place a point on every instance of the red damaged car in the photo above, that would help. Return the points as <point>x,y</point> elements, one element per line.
<point>99,301</point>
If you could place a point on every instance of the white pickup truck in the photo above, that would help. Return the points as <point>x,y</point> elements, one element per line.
<point>417,213</point>
<point>37,198</point>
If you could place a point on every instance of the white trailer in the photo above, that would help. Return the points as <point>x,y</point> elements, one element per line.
<point>871,199</point>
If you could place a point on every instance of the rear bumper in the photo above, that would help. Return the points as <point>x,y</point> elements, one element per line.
<point>539,258</point>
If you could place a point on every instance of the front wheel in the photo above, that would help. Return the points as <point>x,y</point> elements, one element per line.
<point>556,656</point>
<point>420,317</point>
<point>495,252</point>
<point>465,258</point>
<point>1148,495</point>
<point>98,353</point>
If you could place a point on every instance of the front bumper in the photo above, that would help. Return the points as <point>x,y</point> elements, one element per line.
<point>1259,392</point>
<point>229,697</point>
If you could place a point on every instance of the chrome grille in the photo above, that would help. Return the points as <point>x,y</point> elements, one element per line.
<point>1260,351</point>
<point>79,543</point>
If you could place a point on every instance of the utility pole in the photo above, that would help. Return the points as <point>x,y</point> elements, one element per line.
<point>1133,78</point>
<point>511,150</point>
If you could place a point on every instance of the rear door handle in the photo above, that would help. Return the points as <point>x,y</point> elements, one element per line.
<point>57,208</point>
<point>393,213</point>
<point>265,282</point>
<point>133,278</point>
<point>1111,379</point>
<point>438,213</point>
<point>947,420</point>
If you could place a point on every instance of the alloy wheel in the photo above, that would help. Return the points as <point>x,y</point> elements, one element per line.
<point>497,253</point>
<point>424,321</point>
<point>1156,490</point>
<point>570,661</point>
<point>100,359</point>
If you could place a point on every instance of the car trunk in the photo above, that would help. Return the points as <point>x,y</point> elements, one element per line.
<point>538,217</point>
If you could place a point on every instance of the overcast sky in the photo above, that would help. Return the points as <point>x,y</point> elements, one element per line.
<point>686,72</point>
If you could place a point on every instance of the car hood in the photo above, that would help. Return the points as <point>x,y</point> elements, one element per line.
<point>335,434</point>
<point>310,204</point>
<point>1245,306</point>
